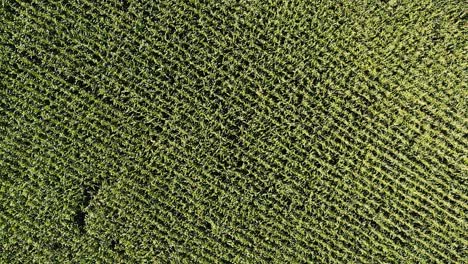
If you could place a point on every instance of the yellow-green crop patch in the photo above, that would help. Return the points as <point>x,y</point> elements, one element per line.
<point>233,131</point>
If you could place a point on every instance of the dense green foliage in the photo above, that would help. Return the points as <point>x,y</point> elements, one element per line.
<point>233,131</point>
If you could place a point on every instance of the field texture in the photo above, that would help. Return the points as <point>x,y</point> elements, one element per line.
<point>233,131</point>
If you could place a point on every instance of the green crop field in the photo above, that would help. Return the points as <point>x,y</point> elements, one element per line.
<point>249,131</point>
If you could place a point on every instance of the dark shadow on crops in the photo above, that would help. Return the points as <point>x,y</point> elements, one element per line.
<point>88,193</point>
<point>114,247</point>
<point>334,160</point>
<point>80,220</point>
<point>56,246</point>
<point>125,5</point>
